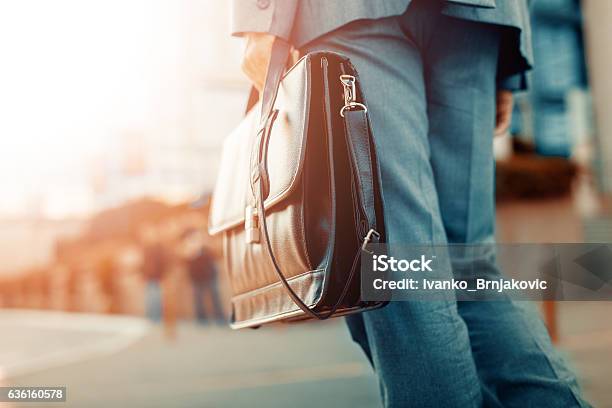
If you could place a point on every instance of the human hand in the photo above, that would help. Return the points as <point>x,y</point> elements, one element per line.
<point>503,115</point>
<point>257,57</point>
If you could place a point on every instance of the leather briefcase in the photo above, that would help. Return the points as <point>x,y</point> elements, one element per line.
<point>298,195</point>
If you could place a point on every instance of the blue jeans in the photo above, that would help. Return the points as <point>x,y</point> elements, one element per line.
<point>430,84</point>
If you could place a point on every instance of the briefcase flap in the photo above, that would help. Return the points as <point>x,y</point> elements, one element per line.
<point>232,193</point>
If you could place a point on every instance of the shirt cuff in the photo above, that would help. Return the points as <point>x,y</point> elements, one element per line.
<point>516,82</point>
<point>263,16</point>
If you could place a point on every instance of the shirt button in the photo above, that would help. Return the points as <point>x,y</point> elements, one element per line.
<point>263,4</point>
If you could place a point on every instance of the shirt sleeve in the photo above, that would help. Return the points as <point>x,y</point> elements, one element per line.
<point>263,16</point>
<point>516,82</point>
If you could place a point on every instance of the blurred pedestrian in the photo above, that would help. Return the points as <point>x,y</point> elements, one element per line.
<point>154,264</point>
<point>106,270</point>
<point>202,270</point>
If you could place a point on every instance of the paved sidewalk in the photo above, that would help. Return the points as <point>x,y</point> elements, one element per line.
<point>35,340</point>
<point>300,366</point>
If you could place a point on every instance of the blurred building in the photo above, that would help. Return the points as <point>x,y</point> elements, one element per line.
<point>197,95</point>
<point>176,157</point>
<point>30,243</point>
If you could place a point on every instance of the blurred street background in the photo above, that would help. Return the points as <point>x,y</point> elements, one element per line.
<point>113,119</point>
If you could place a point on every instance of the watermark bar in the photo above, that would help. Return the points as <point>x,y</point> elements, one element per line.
<point>487,272</point>
<point>32,394</point>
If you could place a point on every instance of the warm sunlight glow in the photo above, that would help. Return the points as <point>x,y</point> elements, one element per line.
<point>74,73</point>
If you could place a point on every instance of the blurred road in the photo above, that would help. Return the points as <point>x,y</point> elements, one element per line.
<point>302,366</point>
<point>134,365</point>
<point>33,340</point>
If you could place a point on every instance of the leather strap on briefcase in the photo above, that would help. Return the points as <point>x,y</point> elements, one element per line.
<point>298,195</point>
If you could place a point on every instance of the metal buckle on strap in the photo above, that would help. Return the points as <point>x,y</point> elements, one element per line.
<point>251,225</point>
<point>368,238</point>
<point>350,94</point>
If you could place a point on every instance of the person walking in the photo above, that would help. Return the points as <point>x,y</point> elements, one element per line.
<point>202,270</point>
<point>438,77</point>
<point>154,267</point>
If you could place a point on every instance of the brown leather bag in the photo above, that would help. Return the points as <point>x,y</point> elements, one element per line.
<point>298,195</point>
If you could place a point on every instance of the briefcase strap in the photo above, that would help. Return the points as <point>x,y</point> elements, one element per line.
<point>369,236</point>
<point>281,50</point>
<point>358,133</point>
<point>276,66</point>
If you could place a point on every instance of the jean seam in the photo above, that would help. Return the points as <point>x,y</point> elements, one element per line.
<point>573,392</point>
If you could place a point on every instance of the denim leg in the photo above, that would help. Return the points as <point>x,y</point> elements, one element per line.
<point>359,335</point>
<point>516,362</point>
<point>420,350</point>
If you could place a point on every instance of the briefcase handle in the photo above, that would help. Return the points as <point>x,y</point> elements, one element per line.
<point>279,56</point>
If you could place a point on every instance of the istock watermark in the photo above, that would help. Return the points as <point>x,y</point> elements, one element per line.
<point>487,272</point>
<point>383,263</point>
